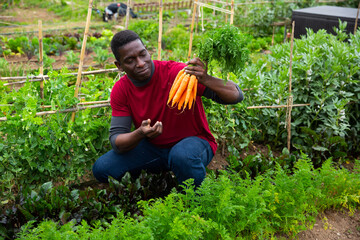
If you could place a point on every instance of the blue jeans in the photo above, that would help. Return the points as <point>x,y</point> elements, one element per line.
<point>187,159</point>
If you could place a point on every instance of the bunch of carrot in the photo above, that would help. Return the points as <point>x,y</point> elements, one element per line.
<point>183,90</point>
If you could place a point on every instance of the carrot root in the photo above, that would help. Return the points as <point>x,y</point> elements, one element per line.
<point>183,92</point>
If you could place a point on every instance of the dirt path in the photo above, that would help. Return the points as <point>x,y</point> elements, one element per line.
<point>334,225</point>
<point>26,20</point>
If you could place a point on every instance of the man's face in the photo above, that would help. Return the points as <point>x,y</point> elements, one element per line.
<point>135,60</point>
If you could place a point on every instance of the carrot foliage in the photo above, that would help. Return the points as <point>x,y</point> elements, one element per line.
<point>225,47</point>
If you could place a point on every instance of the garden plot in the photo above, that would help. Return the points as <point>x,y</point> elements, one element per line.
<point>271,190</point>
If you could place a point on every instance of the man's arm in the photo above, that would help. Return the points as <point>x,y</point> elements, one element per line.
<point>229,93</point>
<point>123,140</point>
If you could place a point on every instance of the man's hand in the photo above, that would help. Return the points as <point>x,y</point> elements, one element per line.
<point>198,68</point>
<point>150,131</point>
<point>228,92</point>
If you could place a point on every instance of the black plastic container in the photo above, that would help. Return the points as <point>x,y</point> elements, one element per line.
<point>323,17</point>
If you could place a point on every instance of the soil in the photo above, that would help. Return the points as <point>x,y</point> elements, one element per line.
<point>330,225</point>
<point>27,15</point>
<point>334,225</point>
<point>60,61</point>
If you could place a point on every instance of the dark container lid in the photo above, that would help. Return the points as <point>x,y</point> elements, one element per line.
<point>328,11</point>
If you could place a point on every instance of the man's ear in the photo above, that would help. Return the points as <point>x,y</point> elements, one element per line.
<point>118,65</point>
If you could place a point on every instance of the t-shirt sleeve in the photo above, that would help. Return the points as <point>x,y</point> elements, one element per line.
<point>118,101</point>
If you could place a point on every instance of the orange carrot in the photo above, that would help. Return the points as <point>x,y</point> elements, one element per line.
<point>176,84</point>
<point>195,89</point>
<point>189,89</point>
<point>182,100</point>
<point>193,94</point>
<point>191,99</point>
<point>181,89</point>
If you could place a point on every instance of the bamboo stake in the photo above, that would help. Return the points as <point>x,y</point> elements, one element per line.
<point>357,17</point>
<point>197,15</point>
<point>232,12</point>
<point>65,110</point>
<point>279,106</point>
<point>78,80</point>
<point>221,2</point>
<point>290,99</point>
<point>160,28</point>
<point>39,78</point>
<point>127,14</point>
<point>41,60</point>
<point>192,28</point>
<point>213,7</point>
<point>80,103</point>
<point>226,16</point>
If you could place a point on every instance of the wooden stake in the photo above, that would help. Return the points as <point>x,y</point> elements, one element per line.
<point>41,60</point>
<point>78,80</point>
<point>226,16</point>
<point>232,12</point>
<point>80,103</point>
<point>127,14</point>
<point>357,17</point>
<point>44,77</point>
<point>160,28</point>
<point>290,99</point>
<point>192,28</point>
<point>279,106</point>
<point>66,110</point>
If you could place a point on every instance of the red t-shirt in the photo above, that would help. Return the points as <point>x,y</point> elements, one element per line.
<point>149,102</point>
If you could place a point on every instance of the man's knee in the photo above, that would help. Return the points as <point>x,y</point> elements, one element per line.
<point>99,172</point>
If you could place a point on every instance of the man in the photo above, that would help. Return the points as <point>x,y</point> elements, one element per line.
<point>163,138</point>
<point>115,10</point>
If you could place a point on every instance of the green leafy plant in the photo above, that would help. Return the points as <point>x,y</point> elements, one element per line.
<point>101,56</point>
<point>72,58</point>
<point>322,77</point>
<point>70,147</point>
<point>225,48</point>
<point>147,30</point>
<point>228,207</point>
<point>68,204</point>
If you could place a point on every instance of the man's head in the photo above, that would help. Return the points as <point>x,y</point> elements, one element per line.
<point>120,39</point>
<point>131,55</point>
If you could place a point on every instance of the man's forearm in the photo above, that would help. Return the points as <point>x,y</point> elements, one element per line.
<point>227,92</point>
<point>127,141</point>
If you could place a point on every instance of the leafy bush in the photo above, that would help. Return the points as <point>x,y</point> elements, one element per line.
<point>177,37</point>
<point>148,30</point>
<point>325,76</point>
<point>50,147</point>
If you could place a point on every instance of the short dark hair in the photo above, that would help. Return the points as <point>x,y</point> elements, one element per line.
<point>120,39</point>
